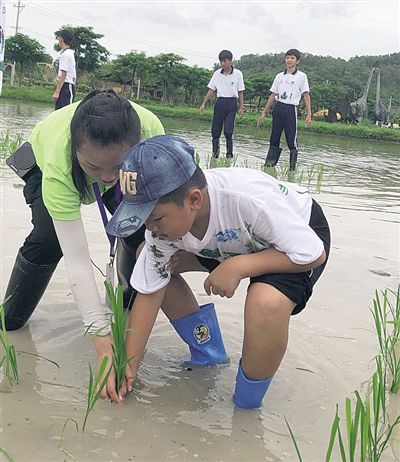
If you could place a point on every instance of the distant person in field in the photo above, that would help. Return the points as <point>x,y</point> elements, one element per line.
<point>64,93</point>
<point>287,89</point>
<point>229,85</point>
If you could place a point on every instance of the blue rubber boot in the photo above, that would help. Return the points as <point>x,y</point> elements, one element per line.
<point>249,394</point>
<point>201,332</point>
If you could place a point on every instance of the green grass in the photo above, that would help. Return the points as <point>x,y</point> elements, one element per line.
<point>365,131</point>
<point>6,455</point>
<point>119,326</point>
<point>8,361</point>
<point>8,144</point>
<point>366,430</point>
<point>96,384</point>
<point>386,313</point>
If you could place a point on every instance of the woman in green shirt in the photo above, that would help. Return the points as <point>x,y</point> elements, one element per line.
<point>74,148</point>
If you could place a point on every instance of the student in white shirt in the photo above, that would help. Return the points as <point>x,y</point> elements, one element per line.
<point>64,93</point>
<point>287,89</point>
<point>229,85</point>
<point>235,223</point>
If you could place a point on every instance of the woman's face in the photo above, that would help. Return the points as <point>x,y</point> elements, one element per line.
<point>102,162</point>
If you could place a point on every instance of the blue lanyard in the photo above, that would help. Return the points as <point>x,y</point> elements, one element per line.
<point>103,213</point>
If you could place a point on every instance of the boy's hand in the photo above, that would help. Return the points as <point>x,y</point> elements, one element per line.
<point>260,119</point>
<point>202,107</point>
<point>223,280</point>
<point>130,376</point>
<point>308,120</point>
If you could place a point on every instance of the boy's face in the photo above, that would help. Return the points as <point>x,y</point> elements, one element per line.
<point>291,61</point>
<point>170,221</point>
<point>226,64</point>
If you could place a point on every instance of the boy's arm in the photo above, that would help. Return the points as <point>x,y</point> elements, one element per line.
<point>209,94</point>
<point>241,102</point>
<point>226,277</point>
<point>143,315</point>
<point>267,107</point>
<point>307,101</point>
<point>60,83</point>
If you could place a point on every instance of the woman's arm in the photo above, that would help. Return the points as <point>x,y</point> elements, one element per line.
<point>96,316</point>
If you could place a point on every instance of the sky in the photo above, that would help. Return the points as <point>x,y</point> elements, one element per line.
<point>199,30</point>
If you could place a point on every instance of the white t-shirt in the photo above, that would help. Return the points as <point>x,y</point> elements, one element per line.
<point>67,63</point>
<point>227,85</point>
<point>290,87</point>
<point>249,211</point>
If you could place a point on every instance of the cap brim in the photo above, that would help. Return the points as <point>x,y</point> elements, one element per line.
<point>128,218</point>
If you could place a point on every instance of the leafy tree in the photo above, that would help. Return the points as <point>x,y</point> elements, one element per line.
<point>166,68</point>
<point>89,54</point>
<point>25,51</point>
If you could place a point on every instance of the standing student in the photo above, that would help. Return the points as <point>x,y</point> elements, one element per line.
<point>287,90</point>
<point>69,153</point>
<point>229,85</point>
<point>64,93</point>
<point>233,223</point>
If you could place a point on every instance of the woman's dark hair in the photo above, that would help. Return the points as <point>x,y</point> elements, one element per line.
<point>103,118</point>
<point>177,196</point>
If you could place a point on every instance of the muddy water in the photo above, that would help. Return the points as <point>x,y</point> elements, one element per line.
<point>185,415</point>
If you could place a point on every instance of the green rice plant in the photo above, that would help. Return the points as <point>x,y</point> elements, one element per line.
<point>63,449</point>
<point>8,362</point>
<point>96,384</point>
<point>386,313</point>
<point>6,455</point>
<point>9,145</point>
<point>119,326</point>
<point>367,424</point>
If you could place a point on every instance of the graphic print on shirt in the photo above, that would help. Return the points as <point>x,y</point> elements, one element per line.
<point>159,267</point>
<point>255,243</point>
<point>210,253</point>
<point>230,234</point>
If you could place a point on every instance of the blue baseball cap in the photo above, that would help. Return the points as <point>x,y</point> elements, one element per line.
<point>151,169</point>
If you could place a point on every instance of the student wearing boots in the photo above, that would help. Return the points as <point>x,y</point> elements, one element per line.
<point>287,90</point>
<point>228,83</point>
<point>233,223</point>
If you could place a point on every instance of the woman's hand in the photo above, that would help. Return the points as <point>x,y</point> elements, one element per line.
<point>104,348</point>
<point>224,279</point>
<point>130,376</point>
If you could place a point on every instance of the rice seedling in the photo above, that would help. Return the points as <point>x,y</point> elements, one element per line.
<point>386,313</point>
<point>8,362</point>
<point>366,425</point>
<point>118,329</point>
<point>96,384</point>
<point>9,145</point>
<point>63,449</point>
<point>6,455</point>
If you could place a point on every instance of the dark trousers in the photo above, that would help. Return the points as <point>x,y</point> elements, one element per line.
<point>284,117</point>
<point>224,115</point>
<point>67,95</point>
<point>41,246</point>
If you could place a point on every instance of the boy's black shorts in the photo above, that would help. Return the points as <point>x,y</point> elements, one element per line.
<point>296,286</point>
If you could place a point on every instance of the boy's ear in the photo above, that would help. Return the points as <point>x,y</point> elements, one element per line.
<point>195,198</point>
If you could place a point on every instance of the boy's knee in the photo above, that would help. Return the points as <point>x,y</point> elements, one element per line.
<point>265,309</point>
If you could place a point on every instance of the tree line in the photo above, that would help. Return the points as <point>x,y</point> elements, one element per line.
<point>166,78</point>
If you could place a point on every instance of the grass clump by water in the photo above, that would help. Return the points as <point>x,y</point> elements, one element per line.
<point>6,455</point>
<point>119,326</point>
<point>9,145</point>
<point>367,426</point>
<point>8,361</point>
<point>386,313</point>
